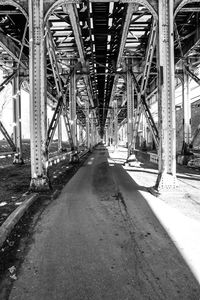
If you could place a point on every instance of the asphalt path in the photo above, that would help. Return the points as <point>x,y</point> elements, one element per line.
<point>100,240</point>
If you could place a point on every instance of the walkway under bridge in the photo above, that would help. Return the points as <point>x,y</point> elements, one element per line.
<point>108,69</point>
<point>118,80</point>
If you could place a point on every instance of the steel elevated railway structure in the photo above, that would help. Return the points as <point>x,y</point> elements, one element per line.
<point>99,64</point>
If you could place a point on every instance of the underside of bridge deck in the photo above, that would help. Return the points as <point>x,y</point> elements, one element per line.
<point>100,65</point>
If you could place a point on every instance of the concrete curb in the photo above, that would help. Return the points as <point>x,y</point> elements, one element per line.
<point>15,216</point>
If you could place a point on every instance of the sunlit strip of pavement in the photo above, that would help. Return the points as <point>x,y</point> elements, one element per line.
<point>184,230</point>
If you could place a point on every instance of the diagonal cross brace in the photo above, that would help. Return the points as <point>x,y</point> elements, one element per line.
<point>7,80</point>
<point>149,56</point>
<point>7,137</point>
<point>142,106</point>
<point>60,91</point>
<point>186,67</point>
<point>140,90</point>
<point>54,122</point>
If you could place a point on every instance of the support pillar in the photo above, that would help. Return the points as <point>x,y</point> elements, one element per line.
<point>115,125</point>
<point>166,104</point>
<point>60,134</point>
<point>186,115</point>
<point>130,100</point>
<point>38,97</point>
<point>106,136</point>
<point>111,130</point>
<point>17,128</point>
<point>72,109</point>
<point>92,131</point>
<point>80,134</point>
<point>87,124</point>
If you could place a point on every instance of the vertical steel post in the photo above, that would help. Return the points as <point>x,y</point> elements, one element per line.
<point>80,134</point>
<point>166,104</point>
<point>87,124</point>
<point>38,96</point>
<point>130,100</point>
<point>106,136</point>
<point>186,111</point>
<point>92,130</point>
<point>17,129</point>
<point>115,125</point>
<point>72,108</point>
<point>111,129</point>
<point>60,134</point>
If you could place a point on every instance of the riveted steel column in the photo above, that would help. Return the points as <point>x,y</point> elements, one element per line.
<point>186,111</point>
<point>130,100</point>
<point>80,132</point>
<point>92,130</point>
<point>17,129</point>
<point>38,97</point>
<point>115,125</point>
<point>87,124</point>
<point>166,106</point>
<point>111,129</point>
<point>60,134</point>
<point>72,108</point>
<point>106,136</point>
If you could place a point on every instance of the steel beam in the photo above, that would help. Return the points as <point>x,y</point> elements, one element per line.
<point>166,100</point>
<point>38,97</point>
